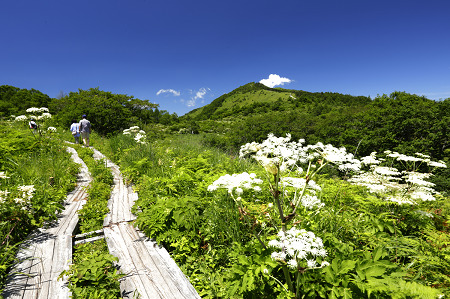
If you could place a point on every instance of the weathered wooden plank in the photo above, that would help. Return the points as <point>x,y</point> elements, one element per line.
<point>177,276</point>
<point>136,279</point>
<point>148,272</point>
<point>49,251</point>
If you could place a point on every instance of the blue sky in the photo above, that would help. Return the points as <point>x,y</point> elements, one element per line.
<point>184,54</point>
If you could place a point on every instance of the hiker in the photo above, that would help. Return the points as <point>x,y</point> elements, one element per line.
<point>75,129</point>
<point>33,126</point>
<point>85,130</point>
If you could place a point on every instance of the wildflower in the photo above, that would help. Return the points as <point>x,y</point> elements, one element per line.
<point>437,164</point>
<point>19,201</point>
<point>33,110</point>
<point>21,118</point>
<point>311,202</point>
<point>297,245</point>
<point>51,129</point>
<point>45,115</point>
<point>27,191</point>
<point>236,182</point>
<point>3,175</point>
<point>408,158</point>
<point>417,178</point>
<point>3,195</point>
<point>387,171</point>
<point>371,159</point>
<point>400,200</point>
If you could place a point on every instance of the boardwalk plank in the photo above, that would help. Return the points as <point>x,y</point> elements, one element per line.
<point>150,270</point>
<point>49,251</point>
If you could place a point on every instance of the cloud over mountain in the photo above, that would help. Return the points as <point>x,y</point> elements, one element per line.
<point>275,80</point>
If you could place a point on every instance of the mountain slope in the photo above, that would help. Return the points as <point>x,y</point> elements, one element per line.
<point>257,98</point>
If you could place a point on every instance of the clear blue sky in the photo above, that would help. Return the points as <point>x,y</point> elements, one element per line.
<point>183,54</point>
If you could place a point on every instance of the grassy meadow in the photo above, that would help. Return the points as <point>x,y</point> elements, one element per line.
<point>277,218</point>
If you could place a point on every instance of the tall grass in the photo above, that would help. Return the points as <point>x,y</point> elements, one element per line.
<point>40,161</point>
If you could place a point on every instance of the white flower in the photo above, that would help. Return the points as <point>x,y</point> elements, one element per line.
<point>33,110</point>
<point>45,115</point>
<point>408,158</point>
<point>237,183</point>
<point>311,202</point>
<point>297,245</point>
<point>3,175</point>
<point>27,191</point>
<point>51,129</point>
<point>400,200</point>
<point>21,118</point>
<point>437,164</point>
<point>417,178</point>
<point>372,159</point>
<point>387,171</point>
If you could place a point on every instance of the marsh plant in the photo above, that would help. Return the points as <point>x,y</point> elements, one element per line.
<point>138,135</point>
<point>399,178</point>
<point>290,169</point>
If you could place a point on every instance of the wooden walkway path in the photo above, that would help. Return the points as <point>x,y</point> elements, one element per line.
<point>150,271</point>
<point>49,251</point>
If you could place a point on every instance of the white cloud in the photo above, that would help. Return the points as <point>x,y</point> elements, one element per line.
<point>198,95</point>
<point>274,80</point>
<point>174,92</point>
<point>190,103</point>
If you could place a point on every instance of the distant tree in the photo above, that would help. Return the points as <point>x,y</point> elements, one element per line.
<point>15,101</point>
<point>108,112</point>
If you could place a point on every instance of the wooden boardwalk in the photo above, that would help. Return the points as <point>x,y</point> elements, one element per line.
<point>49,251</point>
<point>150,271</point>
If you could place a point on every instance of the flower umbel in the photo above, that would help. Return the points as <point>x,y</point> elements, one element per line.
<point>298,247</point>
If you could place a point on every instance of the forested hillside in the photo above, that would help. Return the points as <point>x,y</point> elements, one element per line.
<point>14,100</point>
<point>399,121</point>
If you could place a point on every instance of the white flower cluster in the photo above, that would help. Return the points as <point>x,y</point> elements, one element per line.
<point>33,111</point>
<point>308,200</point>
<point>25,195</point>
<point>37,110</point>
<point>51,129</point>
<point>139,135</point>
<point>296,245</point>
<point>278,153</point>
<point>404,187</point>
<point>21,118</point>
<point>236,183</point>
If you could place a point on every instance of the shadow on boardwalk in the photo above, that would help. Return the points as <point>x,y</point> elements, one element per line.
<point>150,271</point>
<point>48,251</point>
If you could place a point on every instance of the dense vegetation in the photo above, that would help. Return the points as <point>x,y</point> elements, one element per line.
<point>35,175</point>
<point>373,246</point>
<point>223,232</point>
<point>400,121</point>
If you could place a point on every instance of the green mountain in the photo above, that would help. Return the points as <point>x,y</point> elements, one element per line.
<point>257,98</point>
<point>400,121</point>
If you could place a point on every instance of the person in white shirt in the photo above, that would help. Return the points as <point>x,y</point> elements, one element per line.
<point>85,130</point>
<point>75,129</point>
